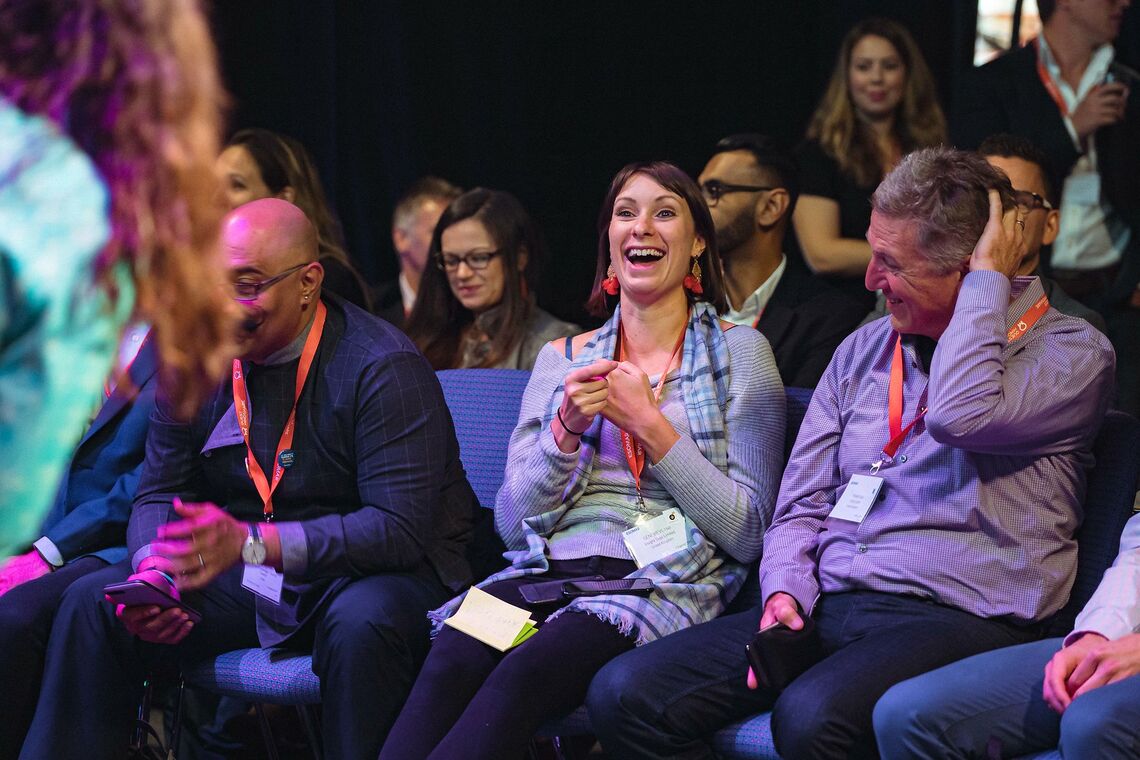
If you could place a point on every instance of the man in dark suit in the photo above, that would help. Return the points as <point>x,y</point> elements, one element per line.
<point>413,224</point>
<point>1067,94</point>
<point>335,428</point>
<point>751,188</point>
<point>84,532</point>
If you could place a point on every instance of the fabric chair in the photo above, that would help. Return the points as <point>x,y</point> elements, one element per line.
<point>484,405</point>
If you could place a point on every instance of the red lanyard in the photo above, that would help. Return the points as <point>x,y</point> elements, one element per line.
<point>634,453</point>
<point>284,456</point>
<point>756,322</point>
<point>1047,81</point>
<point>895,405</point>
<point>895,386</point>
<point>1028,319</point>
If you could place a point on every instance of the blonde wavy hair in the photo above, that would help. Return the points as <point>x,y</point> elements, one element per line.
<point>135,85</point>
<point>919,122</point>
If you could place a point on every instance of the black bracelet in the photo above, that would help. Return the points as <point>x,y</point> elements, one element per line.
<point>566,427</point>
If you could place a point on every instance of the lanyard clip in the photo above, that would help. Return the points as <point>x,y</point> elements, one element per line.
<point>876,465</point>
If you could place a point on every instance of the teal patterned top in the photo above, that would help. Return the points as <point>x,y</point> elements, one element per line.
<point>58,331</point>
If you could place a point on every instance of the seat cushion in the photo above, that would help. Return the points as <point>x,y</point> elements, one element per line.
<point>259,675</point>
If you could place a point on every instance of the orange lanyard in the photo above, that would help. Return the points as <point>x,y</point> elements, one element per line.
<point>1047,81</point>
<point>895,407</point>
<point>756,322</point>
<point>895,387</point>
<point>284,457</point>
<point>634,452</point>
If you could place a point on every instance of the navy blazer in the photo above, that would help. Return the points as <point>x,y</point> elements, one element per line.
<point>377,484</point>
<point>1006,95</point>
<point>805,321</point>
<point>93,504</point>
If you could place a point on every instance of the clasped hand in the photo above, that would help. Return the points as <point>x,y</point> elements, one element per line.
<point>1089,662</point>
<point>619,391</point>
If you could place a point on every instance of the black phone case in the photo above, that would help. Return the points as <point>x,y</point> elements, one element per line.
<point>140,592</point>
<point>548,592</point>
<point>778,654</point>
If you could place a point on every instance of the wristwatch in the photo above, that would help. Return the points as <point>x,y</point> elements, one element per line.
<point>253,550</point>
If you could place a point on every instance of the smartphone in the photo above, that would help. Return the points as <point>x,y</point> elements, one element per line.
<point>137,592</point>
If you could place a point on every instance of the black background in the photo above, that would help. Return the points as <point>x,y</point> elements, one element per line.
<point>545,99</point>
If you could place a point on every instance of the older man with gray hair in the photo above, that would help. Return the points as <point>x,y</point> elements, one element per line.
<point>928,509</point>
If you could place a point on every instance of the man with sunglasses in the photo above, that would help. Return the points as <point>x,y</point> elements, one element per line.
<point>750,185</point>
<point>316,502</point>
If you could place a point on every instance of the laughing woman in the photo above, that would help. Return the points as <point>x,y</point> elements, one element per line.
<point>664,420</point>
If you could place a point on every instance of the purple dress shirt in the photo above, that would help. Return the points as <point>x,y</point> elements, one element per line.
<point>979,505</point>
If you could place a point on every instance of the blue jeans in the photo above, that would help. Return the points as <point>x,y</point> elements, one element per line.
<point>662,700</point>
<point>992,703</point>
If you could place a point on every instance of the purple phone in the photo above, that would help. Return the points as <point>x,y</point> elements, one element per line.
<point>137,592</point>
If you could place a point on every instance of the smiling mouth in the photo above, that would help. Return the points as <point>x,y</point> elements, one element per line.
<point>643,255</point>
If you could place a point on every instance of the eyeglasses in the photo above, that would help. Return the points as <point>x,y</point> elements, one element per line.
<point>714,189</point>
<point>1027,201</point>
<point>246,291</point>
<point>476,260</point>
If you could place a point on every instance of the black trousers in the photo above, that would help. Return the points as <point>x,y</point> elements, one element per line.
<point>473,701</point>
<point>367,645</point>
<point>665,699</point>
<point>26,615</point>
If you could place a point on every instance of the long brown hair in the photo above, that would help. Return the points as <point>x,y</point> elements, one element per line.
<point>284,162</point>
<point>919,122</point>
<point>438,320</point>
<point>670,177</point>
<point>135,85</point>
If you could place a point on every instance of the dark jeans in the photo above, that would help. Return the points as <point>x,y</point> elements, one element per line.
<point>664,699</point>
<point>26,615</point>
<point>366,644</point>
<point>473,701</point>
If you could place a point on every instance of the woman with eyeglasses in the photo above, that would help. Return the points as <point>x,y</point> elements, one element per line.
<point>258,163</point>
<point>475,306</point>
<point>639,480</point>
<point>880,104</point>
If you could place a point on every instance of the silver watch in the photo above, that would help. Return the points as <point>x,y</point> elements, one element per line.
<point>253,551</point>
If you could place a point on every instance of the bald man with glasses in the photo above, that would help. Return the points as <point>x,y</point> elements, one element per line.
<point>316,502</point>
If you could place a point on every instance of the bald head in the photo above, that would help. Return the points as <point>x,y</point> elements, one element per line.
<point>277,230</point>
<point>272,251</point>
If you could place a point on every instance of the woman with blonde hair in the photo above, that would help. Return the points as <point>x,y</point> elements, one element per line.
<point>109,123</point>
<point>880,104</point>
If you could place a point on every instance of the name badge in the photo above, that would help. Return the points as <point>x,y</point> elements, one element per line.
<point>857,498</point>
<point>657,538</point>
<point>263,581</point>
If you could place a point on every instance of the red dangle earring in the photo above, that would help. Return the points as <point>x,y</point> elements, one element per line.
<point>692,281</point>
<point>610,284</point>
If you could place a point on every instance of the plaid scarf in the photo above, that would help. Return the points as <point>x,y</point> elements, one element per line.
<point>704,388</point>
<point>693,585</point>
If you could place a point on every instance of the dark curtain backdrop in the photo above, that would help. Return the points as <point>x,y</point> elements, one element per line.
<point>544,99</point>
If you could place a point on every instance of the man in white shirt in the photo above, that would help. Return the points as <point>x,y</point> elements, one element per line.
<point>1067,94</point>
<point>1080,693</point>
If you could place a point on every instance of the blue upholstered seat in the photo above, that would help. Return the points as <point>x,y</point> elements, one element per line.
<point>259,675</point>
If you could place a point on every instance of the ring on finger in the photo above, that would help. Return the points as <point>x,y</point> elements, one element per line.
<point>1020,223</point>
<point>201,561</point>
